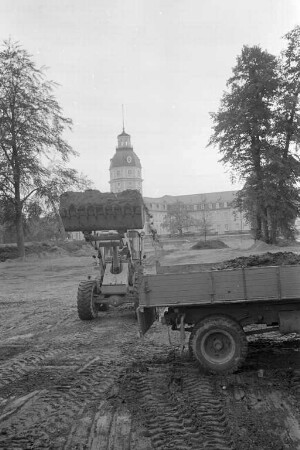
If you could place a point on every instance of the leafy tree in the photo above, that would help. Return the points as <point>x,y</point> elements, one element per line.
<point>178,218</point>
<point>285,165</point>
<point>256,129</point>
<point>31,135</point>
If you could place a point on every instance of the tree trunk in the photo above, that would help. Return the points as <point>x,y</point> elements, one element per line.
<point>20,232</point>
<point>61,227</point>
<point>272,226</point>
<point>265,230</point>
<point>257,235</point>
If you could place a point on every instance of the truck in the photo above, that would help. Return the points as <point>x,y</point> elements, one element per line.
<point>214,306</point>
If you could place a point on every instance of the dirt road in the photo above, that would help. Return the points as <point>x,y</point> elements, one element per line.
<point>68,384</point>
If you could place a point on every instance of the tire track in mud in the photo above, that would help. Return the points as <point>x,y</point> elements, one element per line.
<point>78,345</point>
<point>69,411</point>
<point>73,381</point>
<point>211,417</point>
<point>19,366</point>
<point>295,384</point>
<point>179,407</point>
<point>35,321</point>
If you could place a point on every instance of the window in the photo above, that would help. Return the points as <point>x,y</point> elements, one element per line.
<point>202,205</point>
<point>157,205</point>
<point>119,184</point>
<point>118,172</point>
<point>210,205</point>
<point>226,227</point>
<point>129,172</point>
<point>225,204</point>
<point>217,205</point>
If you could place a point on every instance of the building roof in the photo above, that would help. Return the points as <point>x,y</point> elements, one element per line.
<point>123,134</point>
<point>125,157</point>
<point>211,197</point>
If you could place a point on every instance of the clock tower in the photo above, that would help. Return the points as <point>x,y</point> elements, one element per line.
<point>125,167</point>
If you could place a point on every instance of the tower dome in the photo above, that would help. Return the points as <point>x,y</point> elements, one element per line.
<point>125,166</point>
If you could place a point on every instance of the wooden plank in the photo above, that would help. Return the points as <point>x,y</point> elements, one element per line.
<point>172,289</point>
<point>290,281</point>
<point>262,283</point>
<point>229,285</point>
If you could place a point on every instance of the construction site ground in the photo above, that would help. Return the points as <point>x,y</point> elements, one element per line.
<point>69,384</point>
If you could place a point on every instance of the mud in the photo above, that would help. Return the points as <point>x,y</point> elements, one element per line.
<point>68,384</point>
<point>265,259</point>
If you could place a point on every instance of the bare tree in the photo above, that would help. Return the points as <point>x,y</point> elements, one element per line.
<point>205,223</point>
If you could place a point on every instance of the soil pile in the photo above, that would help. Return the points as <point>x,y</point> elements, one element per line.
<point>265,259</point>
<point>94,210</point>
<point>210,244</point>
<point>57,248</point>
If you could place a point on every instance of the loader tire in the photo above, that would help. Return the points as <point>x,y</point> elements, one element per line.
<point>86,307</point>
<point>219,344</point>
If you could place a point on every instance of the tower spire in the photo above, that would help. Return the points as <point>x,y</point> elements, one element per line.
<point>123,118</point>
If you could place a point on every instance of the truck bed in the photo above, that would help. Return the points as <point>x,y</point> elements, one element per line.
<point>189,287</point>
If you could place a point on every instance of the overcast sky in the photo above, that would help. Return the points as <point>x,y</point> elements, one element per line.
<point>167,61</point>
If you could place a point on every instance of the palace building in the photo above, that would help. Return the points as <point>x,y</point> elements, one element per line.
<point>126,173</point>
<point>213,207</point>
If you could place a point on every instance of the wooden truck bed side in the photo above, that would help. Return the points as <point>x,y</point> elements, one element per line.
<point>220,286</point>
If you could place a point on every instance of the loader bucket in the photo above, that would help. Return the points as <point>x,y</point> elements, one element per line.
<point>93,210</point>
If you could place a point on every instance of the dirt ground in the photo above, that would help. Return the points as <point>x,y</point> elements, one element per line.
<point>69,384</point>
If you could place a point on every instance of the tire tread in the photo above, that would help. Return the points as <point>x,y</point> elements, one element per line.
<point>219,320</point>
<point>84,300</point>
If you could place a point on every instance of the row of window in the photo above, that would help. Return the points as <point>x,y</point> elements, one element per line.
<point>119,173</point>
<point>197,207</point>
<point>128,184</point>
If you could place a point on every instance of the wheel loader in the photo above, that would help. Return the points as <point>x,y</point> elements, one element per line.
<point>113,224</point>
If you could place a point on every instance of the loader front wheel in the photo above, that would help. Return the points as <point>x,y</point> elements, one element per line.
<point>86,307</point>
<point>219,344</point>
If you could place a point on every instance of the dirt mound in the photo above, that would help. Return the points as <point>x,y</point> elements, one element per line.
<point>260,246</point>
<point>265,259</point>
<point>76,248</point>
<point>210,244</point>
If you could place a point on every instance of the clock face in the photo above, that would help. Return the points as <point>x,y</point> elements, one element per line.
<point>129,159</point>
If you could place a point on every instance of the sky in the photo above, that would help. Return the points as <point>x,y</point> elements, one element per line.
<point>166,61</point>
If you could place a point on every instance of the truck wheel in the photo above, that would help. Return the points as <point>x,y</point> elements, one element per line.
<point>86,307</point>
<point>219,344</point>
